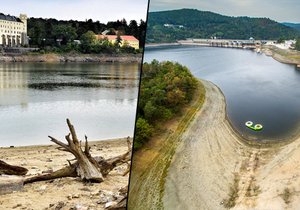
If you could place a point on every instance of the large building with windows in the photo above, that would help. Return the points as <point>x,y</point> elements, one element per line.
<point>13,30</point>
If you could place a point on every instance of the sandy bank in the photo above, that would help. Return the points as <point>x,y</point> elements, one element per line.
<point>283,55</point>
<point>51,57</point>
<point>213,167</point>
<point>65,192</point>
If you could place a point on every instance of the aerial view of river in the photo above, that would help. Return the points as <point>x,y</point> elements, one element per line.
<point>36,98</point>
<point>256,87</point>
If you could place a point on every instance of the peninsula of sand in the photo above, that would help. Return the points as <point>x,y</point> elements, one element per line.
<point>209,166</point>
<point>213,168</point>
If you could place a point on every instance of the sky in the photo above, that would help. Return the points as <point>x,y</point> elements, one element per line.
<point>101,10</point>
<point>278,10</point>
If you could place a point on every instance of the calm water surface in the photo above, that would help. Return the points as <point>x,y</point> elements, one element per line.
<point>35,100</point>
<point>256,87</point>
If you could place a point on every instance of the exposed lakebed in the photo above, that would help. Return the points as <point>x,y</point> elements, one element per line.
<point>256,87</point>
<point>36,99</point>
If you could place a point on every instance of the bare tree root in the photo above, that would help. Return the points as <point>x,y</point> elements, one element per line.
<point>7,169</point>
<point>86,167</point>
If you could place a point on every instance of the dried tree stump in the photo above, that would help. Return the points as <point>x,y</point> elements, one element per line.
<point>86,167</point>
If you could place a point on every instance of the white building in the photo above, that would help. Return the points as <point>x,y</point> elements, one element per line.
<point>13,30</point>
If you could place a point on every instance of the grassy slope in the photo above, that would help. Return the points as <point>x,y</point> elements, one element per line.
<point>150,164</point>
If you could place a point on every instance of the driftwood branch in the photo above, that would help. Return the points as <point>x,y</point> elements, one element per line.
<point>8,169</point>
<point>86,167</point>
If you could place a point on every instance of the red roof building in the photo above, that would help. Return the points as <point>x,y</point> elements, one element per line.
<point>125,40</point>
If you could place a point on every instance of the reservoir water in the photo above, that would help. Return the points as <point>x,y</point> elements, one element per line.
<point>36,98</point>
<point>256,87</point>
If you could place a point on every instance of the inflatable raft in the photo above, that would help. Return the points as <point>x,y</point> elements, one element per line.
<point>251,125</point>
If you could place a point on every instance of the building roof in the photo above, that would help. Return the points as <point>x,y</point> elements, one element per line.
<point>113,37</point>
<point>9,18</point>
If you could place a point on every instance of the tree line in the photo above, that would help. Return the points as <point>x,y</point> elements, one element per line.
<point>297,45</point>
<point>191,23</point>
<point>165,88</point>
<point>59,35</point>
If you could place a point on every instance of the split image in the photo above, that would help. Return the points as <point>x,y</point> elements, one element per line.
<point>150,105</point>
<point>218,113</point>
<point>69,79</point>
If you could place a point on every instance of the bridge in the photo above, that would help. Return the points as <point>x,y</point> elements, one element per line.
<point>230,43</point>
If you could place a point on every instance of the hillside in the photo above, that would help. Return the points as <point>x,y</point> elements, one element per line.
<point>169,26</point>
<point>44,32</point>
<point>293,25</point>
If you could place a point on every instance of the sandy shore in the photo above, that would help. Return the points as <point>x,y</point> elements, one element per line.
<point>63,193</point>
<point>283,56</point>
<point>213,167</point>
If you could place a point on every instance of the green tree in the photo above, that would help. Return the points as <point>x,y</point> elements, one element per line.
<point>297,45</point>
<point>36,34</point>
<point>118,41</point>
<point>143,132</point>
<point>87,40</point>
<point>165,88</point>
<point>280,40</point>
<point>64,32</point>
<point>133,28</point>
<point>45,32</point>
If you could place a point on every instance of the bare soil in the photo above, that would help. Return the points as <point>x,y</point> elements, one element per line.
<point>63,193</point>
<point>213,167</point>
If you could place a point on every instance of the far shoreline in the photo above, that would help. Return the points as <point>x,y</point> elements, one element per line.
<point>100,142</point>
<point>71,58</point>
<point>267,50</point>
<point>162,44</point>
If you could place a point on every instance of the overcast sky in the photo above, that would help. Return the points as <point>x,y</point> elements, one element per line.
<point>278,10</point>
<point>102,10</point>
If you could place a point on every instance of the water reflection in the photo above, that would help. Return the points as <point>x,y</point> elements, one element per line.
<point>256,87</point>
<point>37,97</point>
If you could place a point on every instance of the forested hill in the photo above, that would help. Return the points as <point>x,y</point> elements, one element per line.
<point>293,25</point>
<point>169,26</point>
<point>48,30</point>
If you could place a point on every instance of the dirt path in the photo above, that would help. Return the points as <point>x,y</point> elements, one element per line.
<point>214,169</point>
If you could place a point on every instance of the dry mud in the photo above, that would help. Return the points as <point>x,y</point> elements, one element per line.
<point>62,193</point>
<point>213,166</point>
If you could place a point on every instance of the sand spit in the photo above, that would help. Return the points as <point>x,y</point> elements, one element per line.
<point>63,193</point>
<point>213,168</point>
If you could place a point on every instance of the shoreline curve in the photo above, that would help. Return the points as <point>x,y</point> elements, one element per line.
<point>212,159</point>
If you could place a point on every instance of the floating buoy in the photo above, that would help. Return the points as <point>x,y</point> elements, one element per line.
<point>249,123</point>
<point>256,127</point>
